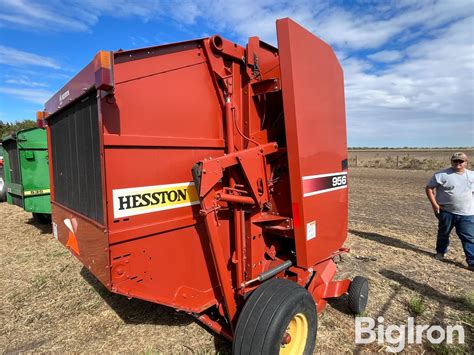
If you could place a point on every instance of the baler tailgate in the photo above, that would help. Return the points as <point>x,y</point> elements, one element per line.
<point>313,101</point>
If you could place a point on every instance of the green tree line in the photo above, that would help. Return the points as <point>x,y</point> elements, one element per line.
<point>7,128</point>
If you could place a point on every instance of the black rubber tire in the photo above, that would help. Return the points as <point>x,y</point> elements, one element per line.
<point>42,218</point>
<point>358,294</point>
<point>266,315</point>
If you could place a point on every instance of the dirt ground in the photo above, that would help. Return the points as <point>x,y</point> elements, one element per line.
<point>50,303</point>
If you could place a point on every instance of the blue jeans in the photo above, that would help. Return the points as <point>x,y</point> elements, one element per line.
<point>464,229</point>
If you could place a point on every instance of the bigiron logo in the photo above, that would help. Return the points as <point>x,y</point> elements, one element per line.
<point>147,199</point>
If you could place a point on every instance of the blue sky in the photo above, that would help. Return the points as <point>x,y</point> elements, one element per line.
<point>408,65</point>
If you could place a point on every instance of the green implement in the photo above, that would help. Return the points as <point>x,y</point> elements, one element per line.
<point>26,170</point>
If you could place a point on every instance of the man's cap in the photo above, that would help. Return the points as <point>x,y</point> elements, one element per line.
<point>459,156</point>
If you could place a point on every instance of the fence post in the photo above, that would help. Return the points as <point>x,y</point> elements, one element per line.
<point>397,161</point>
<point>356,161</point>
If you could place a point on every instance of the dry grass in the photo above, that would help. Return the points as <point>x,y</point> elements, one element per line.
<point>49,303</point>
<point>418,159</point>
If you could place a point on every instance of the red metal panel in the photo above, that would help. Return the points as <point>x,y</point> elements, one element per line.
<point>75,88</point>
<point>164,116</point>
<point>176,104</point>
<point>87,241</point>
<point>140,63</point>
<point>174,268</point>
<point>153,141</point>
<point>50,163</point>
<point>313,100</point>
<point>144,167</point>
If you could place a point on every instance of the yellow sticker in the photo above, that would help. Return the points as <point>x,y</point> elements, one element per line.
<point>36,192</point>
<point>147,199</point>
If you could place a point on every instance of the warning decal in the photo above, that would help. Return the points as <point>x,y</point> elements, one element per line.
<point>311,230</point>
<point>147,199</point>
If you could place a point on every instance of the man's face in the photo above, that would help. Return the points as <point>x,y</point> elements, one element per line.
<point>458,164</point>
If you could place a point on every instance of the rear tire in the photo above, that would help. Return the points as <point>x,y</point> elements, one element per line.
<point>358,294</point>
<point>278,317</point>
<point>42,218</point>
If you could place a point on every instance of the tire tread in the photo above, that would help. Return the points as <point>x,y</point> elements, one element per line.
<point>354,292</point>
<point>256,327</point>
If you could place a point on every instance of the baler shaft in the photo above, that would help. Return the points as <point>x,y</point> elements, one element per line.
<point>246,200</point>
<point>270,273</point>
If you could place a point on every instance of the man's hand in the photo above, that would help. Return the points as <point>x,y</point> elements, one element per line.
<point>431,197</point>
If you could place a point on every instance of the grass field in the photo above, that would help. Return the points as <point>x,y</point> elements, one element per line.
<point>424,159</point>
<point>50,303</point>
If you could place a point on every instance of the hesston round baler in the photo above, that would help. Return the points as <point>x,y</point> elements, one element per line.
<point>211,178</point>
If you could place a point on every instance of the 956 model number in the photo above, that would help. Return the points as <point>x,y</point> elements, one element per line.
<point>339,180</point>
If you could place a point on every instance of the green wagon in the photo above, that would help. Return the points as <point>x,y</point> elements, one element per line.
<point>26,172</point>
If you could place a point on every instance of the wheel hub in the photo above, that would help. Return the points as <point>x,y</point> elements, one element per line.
<point>294,339</point>
<point>286,339</point>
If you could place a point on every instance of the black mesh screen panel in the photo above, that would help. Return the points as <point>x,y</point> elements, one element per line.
<point>76,158</point>
<point>11,148</point>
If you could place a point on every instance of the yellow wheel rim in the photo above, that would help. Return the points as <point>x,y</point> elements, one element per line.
<point>294,339</point>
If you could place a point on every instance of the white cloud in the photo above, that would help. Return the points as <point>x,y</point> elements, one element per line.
<point>243,18</point>
<point>372,29</point>
<point>186,12</point>
<point>419,76</point>
<point>82,15</point>
<point>25,83</point>
<point>418,96</point>
<point>246,18</point>
<point>15,57</point>
<point>386,56</point>
<point>145,9</point>
<point>37,96</point>
<point>438,74</point>
<point>55,16</point>
<point>364,27</point>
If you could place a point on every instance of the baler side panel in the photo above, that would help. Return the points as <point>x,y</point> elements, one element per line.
<point>76,180</point>
<point>313,99</point>
<point>157,127</point>
<point>168,172</point>
<point>176,99</point>
<point>173,268</point>
<point>164,116</point>
<point>87,241</point>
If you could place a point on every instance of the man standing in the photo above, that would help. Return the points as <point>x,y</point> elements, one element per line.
<point>453,205</point>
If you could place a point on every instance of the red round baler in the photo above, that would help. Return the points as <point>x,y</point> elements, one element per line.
<point>211,178</point>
